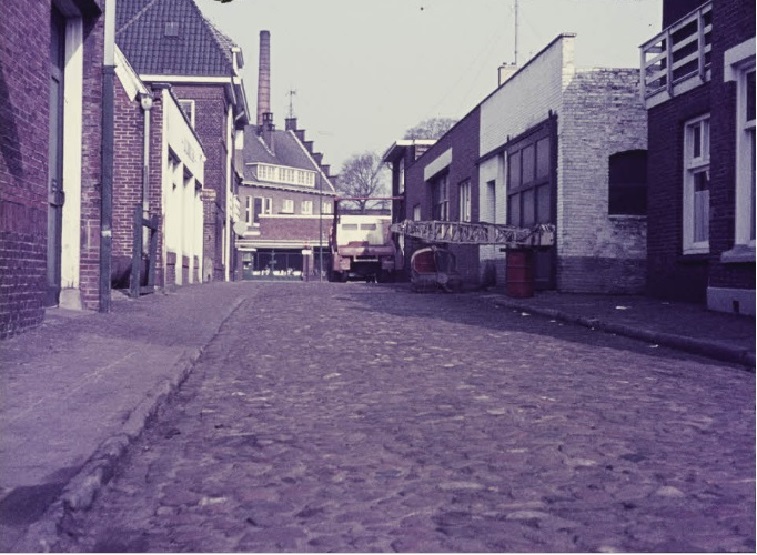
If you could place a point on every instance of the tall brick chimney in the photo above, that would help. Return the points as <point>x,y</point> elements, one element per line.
<point>264,76</point>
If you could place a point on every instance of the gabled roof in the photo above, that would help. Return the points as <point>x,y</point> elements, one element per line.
<point>287,151</point>
<point>198,47</point>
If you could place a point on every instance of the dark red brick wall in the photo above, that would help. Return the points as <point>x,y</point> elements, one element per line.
<point>127,174</point>
<point>91,177</point>
<point>24,70</point>
<point>210,110</point>
<point>735,23</point>
<point>673,10</point>
<point>670,274</point>
<point>463,139</point>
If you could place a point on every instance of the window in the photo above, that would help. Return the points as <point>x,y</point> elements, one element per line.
<point>745,158</point>
<point>368,227</point>
<point>257,208</point>
<point>627,183</point>
<point>465,201</point>
<point>327,207</point>
<point>248,203</point>
<point>401,177</point>
<point>696,186</point>
<point>307,207</point>
<point>417,213</point>
<point>188,107</point>
<point>440,199</point>
<point>267,206</point>
<point>287,206</point>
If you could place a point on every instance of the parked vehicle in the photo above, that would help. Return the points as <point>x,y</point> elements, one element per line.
<point>363,248</point>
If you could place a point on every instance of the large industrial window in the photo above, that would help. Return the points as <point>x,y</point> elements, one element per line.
<point>440,198</point>
<point>465,201</point>
<point>627,183</point>
<point>696,186</point>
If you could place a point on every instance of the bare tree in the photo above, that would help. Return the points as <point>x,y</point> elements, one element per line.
<point>363,176</point>
<point>430,129</point>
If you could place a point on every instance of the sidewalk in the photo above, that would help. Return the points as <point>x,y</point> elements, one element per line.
<point>682,326</point>
<point>79,388</point>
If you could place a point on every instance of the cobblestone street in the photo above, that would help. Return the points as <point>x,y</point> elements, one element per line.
<point>358,417</point>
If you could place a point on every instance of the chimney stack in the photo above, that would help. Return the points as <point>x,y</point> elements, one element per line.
<point>266,130</point>
<point>505,71</point>
<point>290,124</point>
<point>264,76</point>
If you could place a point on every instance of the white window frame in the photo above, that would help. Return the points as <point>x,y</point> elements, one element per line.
<point>693,166</point>
<point>744,162</point>
<point>327,207</point>
<point>267,205</point>
<point>417,212</point>
<point>465,201</point>
<point>306,207</point>
<point>248,204</point>
<point>401,177</point>
<point>287,206</point>
<point>191,114</point>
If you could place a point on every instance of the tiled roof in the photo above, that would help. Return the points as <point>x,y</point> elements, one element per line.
<point>287,151</point>
<point>198,47</point>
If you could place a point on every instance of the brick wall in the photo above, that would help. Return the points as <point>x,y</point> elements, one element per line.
<point>463,140</point>
<point>602,114</point>
<point>210,110</point>
<point>24,68</point>
<point>127,180</point>
<point>735,23</point>
<point>670,274</point>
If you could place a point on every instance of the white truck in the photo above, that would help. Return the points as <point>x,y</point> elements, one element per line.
<point>362,247</point>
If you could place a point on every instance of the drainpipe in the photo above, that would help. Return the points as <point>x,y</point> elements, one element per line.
<point>106,206</point>
<point>145,100</point>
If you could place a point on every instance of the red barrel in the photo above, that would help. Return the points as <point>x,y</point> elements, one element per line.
<point>519,282</point>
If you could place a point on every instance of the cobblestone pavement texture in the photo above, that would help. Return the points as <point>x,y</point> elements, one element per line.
<point>351,417</point>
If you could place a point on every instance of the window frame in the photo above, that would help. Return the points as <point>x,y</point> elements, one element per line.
<point>191,114</point>
<point>440,198</point>
<point>306,207</point>
<point>744,228</point>
<point>287,206</point>
<point>693,166</point>
<point>464,200</point>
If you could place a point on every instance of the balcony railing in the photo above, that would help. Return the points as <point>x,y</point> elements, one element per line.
<point>678,59</point>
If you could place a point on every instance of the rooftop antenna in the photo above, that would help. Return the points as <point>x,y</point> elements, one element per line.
<point>291,94</point>
<point>515,61</point>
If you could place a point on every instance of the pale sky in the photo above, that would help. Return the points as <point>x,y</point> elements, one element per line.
<point>364,71</point>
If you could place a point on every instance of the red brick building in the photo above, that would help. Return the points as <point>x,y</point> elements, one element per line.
<point>698,85</point>
<point>288,204</point>
<point>159,170</point>
<point>161,38</point>
<point>51,75</point>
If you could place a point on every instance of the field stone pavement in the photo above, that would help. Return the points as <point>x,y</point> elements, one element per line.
<point>362,418</point>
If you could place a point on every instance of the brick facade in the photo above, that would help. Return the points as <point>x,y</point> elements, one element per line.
<point>597,113</point>
<point>725,282</point>
<point>24,140</point>
<point>463,142</point>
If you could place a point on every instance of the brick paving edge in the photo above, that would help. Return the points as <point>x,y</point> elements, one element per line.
<point>81,490</point>
<point>712,349</point>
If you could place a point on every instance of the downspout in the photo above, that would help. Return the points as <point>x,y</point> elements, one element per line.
<point>145,100</point>
<point>106,199</point>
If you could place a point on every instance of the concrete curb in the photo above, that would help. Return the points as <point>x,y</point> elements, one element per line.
<point>712,349</point>
<point>82,489</point>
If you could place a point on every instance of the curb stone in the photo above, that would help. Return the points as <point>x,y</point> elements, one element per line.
<point>80,492</point>
<point>712,349</point>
